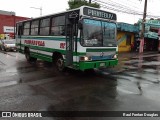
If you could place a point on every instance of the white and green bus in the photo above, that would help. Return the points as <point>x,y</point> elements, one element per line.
<point>82,39</point>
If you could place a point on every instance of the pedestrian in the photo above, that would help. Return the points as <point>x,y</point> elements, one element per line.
<point>132,47</point>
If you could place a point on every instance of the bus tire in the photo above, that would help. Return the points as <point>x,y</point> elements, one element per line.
<point>59,63</point>
<point>28,57</point>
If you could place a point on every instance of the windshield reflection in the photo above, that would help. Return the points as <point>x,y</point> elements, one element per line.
<point>98,33</point>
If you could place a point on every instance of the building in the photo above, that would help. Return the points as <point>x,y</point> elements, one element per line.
<point>126,34</point>
<point>151,39</point>
<point>7,24</point>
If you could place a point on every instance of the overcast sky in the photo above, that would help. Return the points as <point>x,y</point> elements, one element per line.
<point>23,8</point>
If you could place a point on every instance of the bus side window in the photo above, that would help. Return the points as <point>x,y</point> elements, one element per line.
<point>19,33</point>
<point>58,26</point>
<point>44,26</point>
<point>34,27</point>
<point>58,30</point>
<point>26,29</point>
<point>71,30</point>
<point>68,30</point>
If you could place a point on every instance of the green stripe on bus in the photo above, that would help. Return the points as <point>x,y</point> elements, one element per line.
<point>41,56</point>
<point>78,65</point>
<point>49,58</point>
<point>38,55</point>
<point>51,50</point>
<point>97,64</point>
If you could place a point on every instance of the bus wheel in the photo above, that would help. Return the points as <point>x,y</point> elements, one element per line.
<point>60,64</point>
<point>28,57</point>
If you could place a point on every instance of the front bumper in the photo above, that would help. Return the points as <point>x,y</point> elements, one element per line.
<point>83,65</point>
<point>10,48</point>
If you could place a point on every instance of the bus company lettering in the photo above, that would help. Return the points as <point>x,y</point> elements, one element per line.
<point>62,45</point>
<point>100,14</point>
<point>35,42</point>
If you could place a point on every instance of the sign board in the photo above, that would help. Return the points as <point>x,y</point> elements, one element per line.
<point>151,35</point>
<point>8,29</point>
<point>155,22</point>
<point>99,13</point>
<point>128,27</point>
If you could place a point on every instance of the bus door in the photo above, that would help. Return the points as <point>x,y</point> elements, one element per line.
<point>71,39</point>
<point>19,26</point>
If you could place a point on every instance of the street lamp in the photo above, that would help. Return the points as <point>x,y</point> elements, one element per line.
<point>38,9</point>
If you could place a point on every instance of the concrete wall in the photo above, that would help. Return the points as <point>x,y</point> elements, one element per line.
<point>122,41</point>
<point>10,22</point>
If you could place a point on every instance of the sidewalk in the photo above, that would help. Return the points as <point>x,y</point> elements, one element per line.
<point>129,55</point>
<point>126,58</point>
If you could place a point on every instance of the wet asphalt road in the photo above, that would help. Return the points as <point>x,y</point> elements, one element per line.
<point>131,86</point>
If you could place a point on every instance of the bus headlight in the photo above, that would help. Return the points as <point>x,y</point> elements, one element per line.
<point>85,58</point>
<point>115,56</point>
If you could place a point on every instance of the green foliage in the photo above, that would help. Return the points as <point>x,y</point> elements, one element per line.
<point>78,3</point>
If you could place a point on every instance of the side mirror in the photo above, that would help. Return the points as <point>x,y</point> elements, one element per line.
<point>80,25</point>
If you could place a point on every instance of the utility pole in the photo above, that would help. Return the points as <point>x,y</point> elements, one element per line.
<point>143,28</point>
<point>14,22</point>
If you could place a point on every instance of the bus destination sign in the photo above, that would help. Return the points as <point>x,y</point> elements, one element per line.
<point>99,13</point>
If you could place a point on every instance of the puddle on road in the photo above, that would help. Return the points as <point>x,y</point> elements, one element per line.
<point>26,69</point>
<point>152,63</point>
<point>143,63</point>
<point>150,59</point>
<point>9,83</point>
<point>39,65</point>
<point>126,91</point>
<point>11,70</point>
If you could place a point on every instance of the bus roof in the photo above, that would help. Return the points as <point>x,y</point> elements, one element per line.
<point>97,13</point>
<point>49,15</point>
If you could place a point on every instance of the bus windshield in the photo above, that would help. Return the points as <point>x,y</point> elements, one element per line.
<point>98,33</point>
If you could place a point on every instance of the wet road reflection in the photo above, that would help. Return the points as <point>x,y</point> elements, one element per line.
<point>85,95</point>
<point>132,85</point>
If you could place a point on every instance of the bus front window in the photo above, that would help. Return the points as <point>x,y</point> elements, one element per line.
<point>92,33</point>
<point>98,33</point>
<point>109,34</point>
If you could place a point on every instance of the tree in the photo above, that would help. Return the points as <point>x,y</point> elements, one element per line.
<point>78,3</point>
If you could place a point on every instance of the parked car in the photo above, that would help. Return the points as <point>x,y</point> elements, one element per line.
<point>8,45</point>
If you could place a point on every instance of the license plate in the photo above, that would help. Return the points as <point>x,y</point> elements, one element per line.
<point>102,64</point>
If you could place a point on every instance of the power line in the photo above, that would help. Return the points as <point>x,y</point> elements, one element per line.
<point>117,7</point>
<point>122,8</point>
